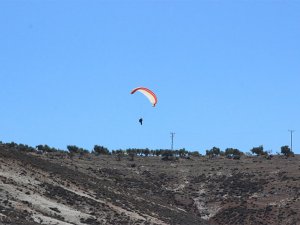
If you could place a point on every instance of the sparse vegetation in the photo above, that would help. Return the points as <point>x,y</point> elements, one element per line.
<point>215,151</point>
<point>286,151</point>
<point>46,148</point>
<point>180,191</point>
<point>100,150</point>
<point>259,151</point>
<point>233,153</point>
<point>137,152</point>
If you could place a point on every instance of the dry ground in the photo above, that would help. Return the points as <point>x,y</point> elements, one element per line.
<point>53,189</point>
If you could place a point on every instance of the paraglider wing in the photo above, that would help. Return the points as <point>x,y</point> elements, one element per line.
<point>148,93</point>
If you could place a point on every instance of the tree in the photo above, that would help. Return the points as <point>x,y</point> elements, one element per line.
<point>152,152</point>
<point>158,152</point>
<point>285,150</point>
<point>131,156</point>
<point>182,152</point>
<point>216,151</point>
<point>12,144</point>
<point>20,147</point>
<point>139,151</point>
<point>25,148</point>
<point>119,154</point>
<point>100,150</point>
<point>195,154</point>
<point>46,148</point>
<point>213,152</point>
<point>146,152</point>
<point>73,149</point>
<point>131,153</point>
<point>232,151</point>
<point>259,150</point>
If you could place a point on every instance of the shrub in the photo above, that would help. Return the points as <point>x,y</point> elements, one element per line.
<point>213,152</point>
<point>100,150</point>
<point>285,150</point>
<point>259,150</point>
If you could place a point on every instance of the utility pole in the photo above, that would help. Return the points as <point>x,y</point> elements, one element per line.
<point>291,131</point>
<point>172,140</point>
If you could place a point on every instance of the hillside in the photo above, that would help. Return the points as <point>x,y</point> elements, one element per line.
<point>55,189</point>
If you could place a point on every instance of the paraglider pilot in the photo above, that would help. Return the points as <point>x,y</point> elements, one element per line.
<point>141,121</point>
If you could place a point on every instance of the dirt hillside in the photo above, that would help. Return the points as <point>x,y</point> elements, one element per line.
<point>56,189</point>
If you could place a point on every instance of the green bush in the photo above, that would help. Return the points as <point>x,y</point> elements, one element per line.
<point>285,150</point>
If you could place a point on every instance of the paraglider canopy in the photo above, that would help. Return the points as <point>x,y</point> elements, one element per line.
<point>148,93</point>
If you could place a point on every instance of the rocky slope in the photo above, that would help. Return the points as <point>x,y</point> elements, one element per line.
<point>55,189</point>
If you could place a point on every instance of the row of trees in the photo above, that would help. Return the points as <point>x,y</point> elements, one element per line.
<point>159,152</point>
<point>285,150</point>
<point>259,151</point>
<point>101,150</point>
<point>215,151</point>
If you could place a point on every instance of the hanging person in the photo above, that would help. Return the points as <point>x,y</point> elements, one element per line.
<point>141,121</point>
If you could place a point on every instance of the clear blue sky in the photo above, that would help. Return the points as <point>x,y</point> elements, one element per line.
<point>226,73</point>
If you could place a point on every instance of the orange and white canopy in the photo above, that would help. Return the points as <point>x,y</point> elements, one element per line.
<point>148,93</point>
